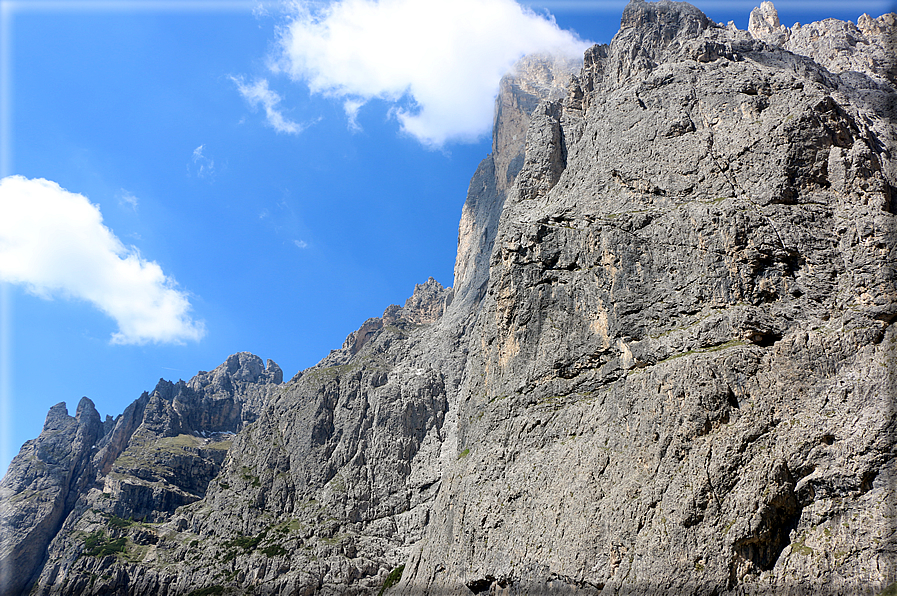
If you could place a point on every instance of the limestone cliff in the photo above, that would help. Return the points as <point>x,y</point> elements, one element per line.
<point>684,379</point>
<point>667,365</point>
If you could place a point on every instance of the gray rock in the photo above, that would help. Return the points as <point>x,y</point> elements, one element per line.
<point>667,325</point>
<point>666,365</point>
<point>40,488</point>
<point>82,474</point>
<point>764,24</point>
<point>533,79</point>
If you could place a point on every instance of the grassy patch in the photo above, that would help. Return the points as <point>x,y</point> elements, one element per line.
<point>246,542</point>
<point>22,496</point>
<point>337,484</point>
<point>118,522</point>
<point>247,475</point>
<point>716,348</point>
<point>250,543</point>
<point>464,453</point>
<point>144,452</point>
<point>221,445</point>
<point>98,545</point>
<point>551,399</point>
<point>178,443</point>
<point>275,550</point>
<point>392,579</point>
<point>801,549</point>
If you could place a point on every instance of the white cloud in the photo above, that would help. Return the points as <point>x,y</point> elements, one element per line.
<point>53,242</point>
<point>126,198</point>
<point>301,243</point>
<point>440,61</point>
<point>351,106</point>
<point>257,94</point>
<point>204,166</point>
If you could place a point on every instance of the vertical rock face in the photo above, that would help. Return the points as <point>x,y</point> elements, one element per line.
<point>684,378</point>
<point>534,79</point>
<point>40,487</point>
<point>666,366</point>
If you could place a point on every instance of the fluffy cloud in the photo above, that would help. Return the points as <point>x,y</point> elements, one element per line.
<point>440,61</point>
<point>54,243</point>
<point>258,94</point>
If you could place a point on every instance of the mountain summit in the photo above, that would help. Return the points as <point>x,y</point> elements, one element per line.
<point>667,364</point>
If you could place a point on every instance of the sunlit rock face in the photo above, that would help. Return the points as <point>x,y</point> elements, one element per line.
<point>666,365</point>
<point>684,374</point>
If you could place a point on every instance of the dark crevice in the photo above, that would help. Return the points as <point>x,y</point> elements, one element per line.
<point>478,586</point>
<point>766,340</point>
<point>867,481</point>
<point>779,517</point>
<point>890,200</point>
<point>732,399</point>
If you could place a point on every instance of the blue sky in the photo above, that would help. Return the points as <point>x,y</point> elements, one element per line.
<point>251,188</point>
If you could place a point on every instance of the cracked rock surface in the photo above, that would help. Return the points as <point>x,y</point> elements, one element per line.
<point>667,365</point>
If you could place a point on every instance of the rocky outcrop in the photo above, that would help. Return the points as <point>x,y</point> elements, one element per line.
<point>159,454</point>
<point>40,487</point>
<point>170,443</point>
<point>425,306</point>
<point>866,48</point>
<point>666,366</point>
<point>533,79</point>
<point>326,491</point>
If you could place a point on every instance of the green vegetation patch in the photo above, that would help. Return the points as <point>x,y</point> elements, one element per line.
<point>464,453</point>
<point>246,474</point>
<point>394,577</point>
<point>338,484</point>
<point>801,549</point>
<point>275,550</point>
<point>98,545</point>
<point>178,443</point>
<point>145,451</point>
<point>250,543</point>
<point>119,522</point>
<point>22,496</point>
<point>324,375</point>
<point>247,543</point>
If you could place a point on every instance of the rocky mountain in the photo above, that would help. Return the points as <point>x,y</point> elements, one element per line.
<point>161,453</point>
<point>667,364</point>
